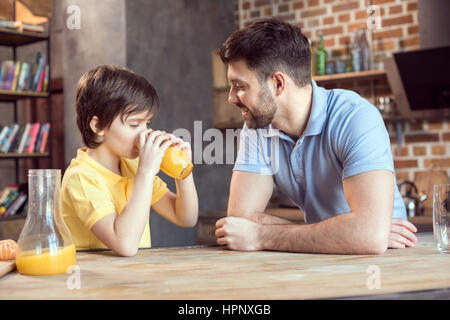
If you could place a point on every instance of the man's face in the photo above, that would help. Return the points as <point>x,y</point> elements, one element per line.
<point>256,102</point>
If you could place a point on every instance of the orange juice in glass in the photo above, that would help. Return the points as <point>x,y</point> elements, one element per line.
<point>47,261</point>
<point>45,243</point>
<point>176,163</point>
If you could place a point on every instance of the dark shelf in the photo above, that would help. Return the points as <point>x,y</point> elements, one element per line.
<point>15,38</point>
<point>7,96</point>
<point>369,74</point>
<point>24,155</point>
<point>14,217</point>
<point>393,117</point>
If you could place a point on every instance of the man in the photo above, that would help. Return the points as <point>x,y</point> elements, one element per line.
<point>332,154</point>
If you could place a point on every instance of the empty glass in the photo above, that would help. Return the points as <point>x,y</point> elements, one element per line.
<point>441,217</point>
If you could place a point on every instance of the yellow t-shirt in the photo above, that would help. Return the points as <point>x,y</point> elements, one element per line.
<point>90,192</point>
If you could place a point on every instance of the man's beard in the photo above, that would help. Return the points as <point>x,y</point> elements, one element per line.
<point>266,110</point>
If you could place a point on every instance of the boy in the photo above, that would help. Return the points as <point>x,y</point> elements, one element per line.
<point>107,190</point>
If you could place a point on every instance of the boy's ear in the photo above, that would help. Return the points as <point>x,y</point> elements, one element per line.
<point>94,126</point>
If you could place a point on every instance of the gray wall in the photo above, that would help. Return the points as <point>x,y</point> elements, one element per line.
<point>170,43</point>
<point>101,39</point>
<point>434,27</point>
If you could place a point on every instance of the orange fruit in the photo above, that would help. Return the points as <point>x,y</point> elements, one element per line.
<point>8,249</point>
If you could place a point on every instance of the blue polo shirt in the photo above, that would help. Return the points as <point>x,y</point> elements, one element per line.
<point>345,136</point>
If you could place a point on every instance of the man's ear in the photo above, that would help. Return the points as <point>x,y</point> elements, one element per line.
<point>279,82</point>
<point>94,126</point>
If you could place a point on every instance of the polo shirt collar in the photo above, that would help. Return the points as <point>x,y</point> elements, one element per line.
<point>114,178</point>
<point>318,114</point>
<point>316,120</point>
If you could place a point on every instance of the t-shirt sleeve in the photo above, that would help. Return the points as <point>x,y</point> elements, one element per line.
<point>90,198</point>
<point>159,190</point>
<point>363,142</point>
<point>250,157</point>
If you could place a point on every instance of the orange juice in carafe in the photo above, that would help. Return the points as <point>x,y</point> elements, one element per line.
<point>176,163</point>
<point>45,243</point>
<point>49,261</point>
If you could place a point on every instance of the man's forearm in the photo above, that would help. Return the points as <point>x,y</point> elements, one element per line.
<point>264,218</point>
<point>342,234</point>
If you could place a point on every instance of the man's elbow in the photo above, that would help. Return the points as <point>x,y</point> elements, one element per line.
<point>377,243</point>
<point>378,247</point>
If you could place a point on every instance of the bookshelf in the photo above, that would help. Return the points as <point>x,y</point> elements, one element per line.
<point>15,39</point>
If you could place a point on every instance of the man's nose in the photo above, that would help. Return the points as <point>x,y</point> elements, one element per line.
<point>232,97</point>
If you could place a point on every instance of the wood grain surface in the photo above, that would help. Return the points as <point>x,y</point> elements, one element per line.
<point>7,266</point>
<point>215,273</point>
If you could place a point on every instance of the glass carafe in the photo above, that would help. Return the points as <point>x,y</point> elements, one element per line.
<point>45,243</point>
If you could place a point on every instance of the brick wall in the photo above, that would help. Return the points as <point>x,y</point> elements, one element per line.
<point>337,19</point>
<point>425,143</point>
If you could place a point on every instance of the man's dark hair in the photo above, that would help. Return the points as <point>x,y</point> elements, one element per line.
<point>269,45</point>
<point>108,91</point>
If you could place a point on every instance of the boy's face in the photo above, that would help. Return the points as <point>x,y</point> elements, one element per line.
<point>122,137</point>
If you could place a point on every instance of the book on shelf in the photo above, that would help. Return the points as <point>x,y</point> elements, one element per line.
<point>21,26</point>
<point>18,203</point>
<point>24,138</point>
<point>23,76</point>
<point>6,190</point>
<point>8,196</point>
<point>9,138</point>
<point>3,132</point>
<point>13,199</point>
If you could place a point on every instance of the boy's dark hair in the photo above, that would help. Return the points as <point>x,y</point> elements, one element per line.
<point>269,45</point>
<point>108,91</point>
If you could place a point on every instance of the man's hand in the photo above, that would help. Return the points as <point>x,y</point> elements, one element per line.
<point>402,234</point>
<point>238,234</point>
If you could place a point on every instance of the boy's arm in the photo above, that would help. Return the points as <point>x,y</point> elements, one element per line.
<point>122,233</point>
<point>181,208</point>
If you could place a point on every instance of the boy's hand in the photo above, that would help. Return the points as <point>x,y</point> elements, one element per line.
<point>185,146</point>
<point>152,149</point>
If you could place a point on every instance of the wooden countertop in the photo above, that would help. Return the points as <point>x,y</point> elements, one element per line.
<point>216,273</point>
